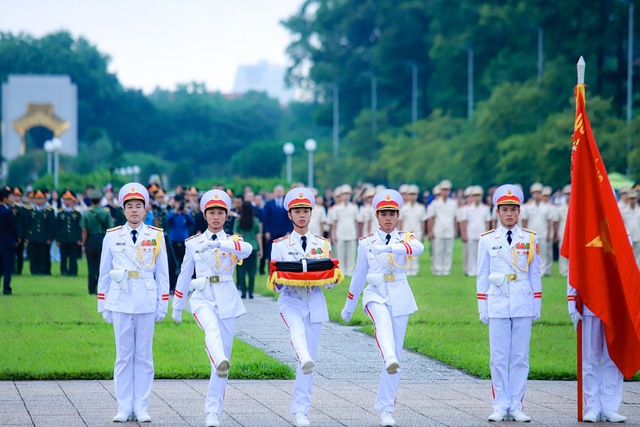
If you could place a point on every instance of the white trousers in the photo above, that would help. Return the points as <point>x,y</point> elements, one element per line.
<point>636,252</point>
<point>442,256</point>
<point>133,371</point>
<point>218,338</point>
<point>389,334</point>
<point>413,267</point>
<point>304,340</point>
<point>472,258</point>
<point>601,378</point>
<point>346,250</point>
<point>509,363</point>
<point>546,257</point>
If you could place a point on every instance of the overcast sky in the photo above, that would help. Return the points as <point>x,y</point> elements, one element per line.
<point>163,42</point>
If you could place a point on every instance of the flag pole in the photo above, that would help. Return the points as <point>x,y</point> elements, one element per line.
<point>580,67</point>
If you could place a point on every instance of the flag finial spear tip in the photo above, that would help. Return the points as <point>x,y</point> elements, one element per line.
<point>581,66</point>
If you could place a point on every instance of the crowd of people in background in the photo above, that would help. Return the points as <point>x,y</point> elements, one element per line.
<point>61,226</point>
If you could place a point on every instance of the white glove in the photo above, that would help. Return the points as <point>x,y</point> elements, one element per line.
<point>213,244</point>
<point>536,316</point>
<point>160,316</point>
<point>575,318</point>
<point>107,315</point>
<point>376,249</point>
<point>484,318</point>
<point>177,316</point>
<point>346,315</point>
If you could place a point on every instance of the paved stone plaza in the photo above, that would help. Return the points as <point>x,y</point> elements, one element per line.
<point>348,369</point>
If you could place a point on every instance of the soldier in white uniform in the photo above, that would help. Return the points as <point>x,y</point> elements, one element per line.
<point>537,216</point>
<point>303,309</point>
<point>319,219</point>
<point>631,217</point>
<point>412,218</point>
<point>215,303</point>
<point>559,223</point>
<point>343,218</point>
<point>475,219</point>
<point>509,291</point>
<point>383,258</point>
<point>442,230</point>
<point>133,294</point>
<point>601,378</point>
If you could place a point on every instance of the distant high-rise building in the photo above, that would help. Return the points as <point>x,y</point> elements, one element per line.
<point>263,77</point>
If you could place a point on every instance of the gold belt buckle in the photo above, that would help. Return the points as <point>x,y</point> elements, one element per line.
<point>389,277</point>
<point>214,279</point>
<point>512,277</point>
<point>133,274</point>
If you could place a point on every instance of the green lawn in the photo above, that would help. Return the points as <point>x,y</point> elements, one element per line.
<point>446,325</point>
<point>50,329</point>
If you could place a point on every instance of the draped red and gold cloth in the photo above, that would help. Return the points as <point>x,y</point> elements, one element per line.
<point>602,266</point>
<point>306,272</point>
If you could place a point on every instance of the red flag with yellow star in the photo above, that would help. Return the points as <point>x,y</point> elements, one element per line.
<point>602,267</point>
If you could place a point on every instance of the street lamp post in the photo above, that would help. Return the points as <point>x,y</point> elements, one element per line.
<point>288,149</point>
<point>310,145</point>
<point>469,82</point>
<point>414,96</point>
<point>53,147</point>
<point>629,80</point>
<point>48,147</point>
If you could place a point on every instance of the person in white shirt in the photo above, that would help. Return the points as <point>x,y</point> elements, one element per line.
<point>475,220</point>
<point>303,308</point>
<point>383,258</point>
<point>537,216</point>
<point>631,217</point>
<point>509,292</point>
<point>559,223</point>
<point>133,294</point>
<point>441,223</point>
<point>215,303</point>
<point>343,218</point>
<point>413,216</point>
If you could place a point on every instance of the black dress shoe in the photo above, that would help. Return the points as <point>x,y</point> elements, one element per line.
<point>250,296</point>
<point>7,293</point>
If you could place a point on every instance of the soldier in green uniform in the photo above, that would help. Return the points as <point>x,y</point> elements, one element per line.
<point>39,233</point>
<point>69,234</point>
<point>19,213</point>
<point>160,210</point>
<point>94,224</point>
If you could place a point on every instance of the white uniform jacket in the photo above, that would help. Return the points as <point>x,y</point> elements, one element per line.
<point>507,285</point>
<point>134,277</point>
<point>216,267</point>
<point>385,273</point>
<point>308,300</point>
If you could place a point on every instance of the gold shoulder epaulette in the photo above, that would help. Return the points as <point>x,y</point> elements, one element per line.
<point>60,210</point>
<point>530,231</point>
<point>114,229</point>
<point>155,228</point>
<point>28,207</point>
<point>48,208</point>
<point>238,237</point>
<point>487,232</point>
<point>280,239</point>
<point>321,237</point>
<point>191,237</point>
<point>364,237</point>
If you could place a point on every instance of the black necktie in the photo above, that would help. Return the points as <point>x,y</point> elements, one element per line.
<point>214,237</point>
<point>509,236</point>
<point>134,234</point>
<point>303,239</point>
<point>386,242</point>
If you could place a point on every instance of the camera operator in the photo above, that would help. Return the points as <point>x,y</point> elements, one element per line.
<point>179,222</point>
